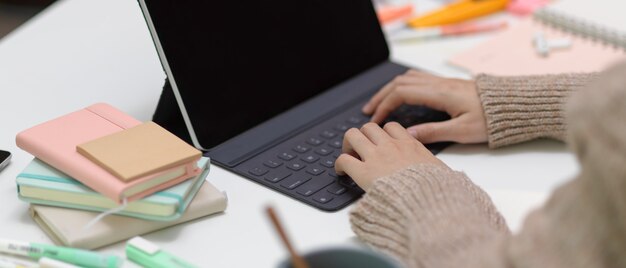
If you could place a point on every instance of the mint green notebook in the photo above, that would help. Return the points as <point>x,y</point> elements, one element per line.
<point>39,183</point>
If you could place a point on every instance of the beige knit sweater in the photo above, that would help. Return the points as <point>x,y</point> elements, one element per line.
<point>429,216</point>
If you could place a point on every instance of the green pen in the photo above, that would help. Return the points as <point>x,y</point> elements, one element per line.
<point>147,254</point>
<point>75,256</point>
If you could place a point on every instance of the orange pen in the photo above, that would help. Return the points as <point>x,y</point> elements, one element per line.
<point>458,11</point>
<point>447,30</point>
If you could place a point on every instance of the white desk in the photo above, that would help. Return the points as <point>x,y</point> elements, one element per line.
<point>79,52</point>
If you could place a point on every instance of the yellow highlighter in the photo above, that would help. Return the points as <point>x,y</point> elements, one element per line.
<point>458,12</point>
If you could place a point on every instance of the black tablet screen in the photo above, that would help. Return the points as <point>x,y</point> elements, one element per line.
<point>238,63</point>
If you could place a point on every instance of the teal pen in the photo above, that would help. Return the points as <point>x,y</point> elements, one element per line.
<point>78,257</point>
<point>147,254</point>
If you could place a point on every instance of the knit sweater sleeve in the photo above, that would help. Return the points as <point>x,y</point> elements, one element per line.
<point>427,216</point>
<point>523,108</point>
<point>431,216</point>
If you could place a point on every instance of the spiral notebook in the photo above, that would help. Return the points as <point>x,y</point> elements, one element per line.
<point>596,31</point>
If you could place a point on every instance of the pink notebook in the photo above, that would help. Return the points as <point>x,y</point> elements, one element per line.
<point>512,53</point>
<point>54,142</point>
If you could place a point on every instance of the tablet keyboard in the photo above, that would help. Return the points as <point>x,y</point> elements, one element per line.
<point>303,167</point>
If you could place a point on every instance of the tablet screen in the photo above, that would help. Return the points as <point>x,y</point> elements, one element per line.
<point>239,63</point>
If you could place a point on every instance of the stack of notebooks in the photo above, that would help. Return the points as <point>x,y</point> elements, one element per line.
<point>100,159</point>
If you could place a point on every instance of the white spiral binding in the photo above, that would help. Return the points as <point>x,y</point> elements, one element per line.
<point>582,27</point>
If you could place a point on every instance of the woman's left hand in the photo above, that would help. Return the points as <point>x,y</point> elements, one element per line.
<point>374,152</point>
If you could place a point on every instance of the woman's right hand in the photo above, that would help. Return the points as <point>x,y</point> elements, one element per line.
<point>456,97</point>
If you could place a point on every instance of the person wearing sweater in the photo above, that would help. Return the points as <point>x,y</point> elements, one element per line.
<point>427,215</point>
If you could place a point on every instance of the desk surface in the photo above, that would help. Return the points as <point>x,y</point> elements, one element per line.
<point>80,52</point>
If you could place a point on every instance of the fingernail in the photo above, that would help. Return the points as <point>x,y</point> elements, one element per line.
<point>366,108</point>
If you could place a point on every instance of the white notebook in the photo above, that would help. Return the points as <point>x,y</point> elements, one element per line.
<point>595,28</point>
<point>600,20</point>
<point>607,14</point>
<point>65,226</point>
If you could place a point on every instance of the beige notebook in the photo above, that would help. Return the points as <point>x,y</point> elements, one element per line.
<point>139,151</point>
<point>64,226</point>
<point>595,29</point>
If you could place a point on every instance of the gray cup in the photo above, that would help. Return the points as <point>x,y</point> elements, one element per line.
<point>345,257</point>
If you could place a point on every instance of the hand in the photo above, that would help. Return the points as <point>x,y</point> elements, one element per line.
<point>456,97</point>
<point>372,152</point>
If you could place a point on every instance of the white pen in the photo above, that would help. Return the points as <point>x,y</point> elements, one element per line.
<point>76,256</point>
<point>10,263</point>
<point>52,263</point>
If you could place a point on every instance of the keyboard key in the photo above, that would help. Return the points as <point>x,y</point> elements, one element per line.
<point>258,171</point>
<point>314,185</point>
<point>323,198</point>
<point>355,120</point>
<point>323,151</point>
<point>295,166</point>
<point>328,134</point>
<point>332,173</point>
<point>336,144</point>
<point>346,181</point>
<point>306,192</point>
<point>277,176</point>
<point>286,156</point>
<point>292,184</point>
<point>336,189</point>
<point>342,127</point>
<point>409,115</point>
<point>272,163</point>
<point>310,158</point>
<point>315,171</point>
<point>329,163</point>
<point>314,141</point>
<point>301,148</point>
